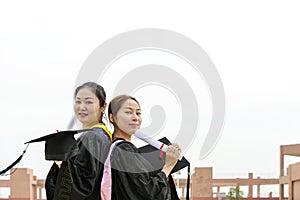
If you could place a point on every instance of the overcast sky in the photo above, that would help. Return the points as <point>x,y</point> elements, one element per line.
<point>254,45</point>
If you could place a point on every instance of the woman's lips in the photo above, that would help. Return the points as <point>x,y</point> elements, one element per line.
<point>82,114</point>
<point>134,125</point>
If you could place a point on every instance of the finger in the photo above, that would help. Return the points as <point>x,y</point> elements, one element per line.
<point>175,145</point>
<point>179,149</point>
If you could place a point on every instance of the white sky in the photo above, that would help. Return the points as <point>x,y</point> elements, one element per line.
<point>254,45</point>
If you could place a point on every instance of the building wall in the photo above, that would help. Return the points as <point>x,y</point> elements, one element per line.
<point>294,181</point>
<point>296,190</point>
<point>202,182</point>
<point>24,185</point>
<point>21,184</point>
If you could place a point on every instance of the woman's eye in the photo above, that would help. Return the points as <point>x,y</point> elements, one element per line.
<point>128,112</point>
<point>77,102</point>
<point>138,113</point>
<point>89,102</point>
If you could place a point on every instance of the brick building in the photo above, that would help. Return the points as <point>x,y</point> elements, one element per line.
<point>25,186</point>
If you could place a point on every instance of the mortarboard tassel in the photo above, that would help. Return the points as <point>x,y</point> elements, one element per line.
<point>2,173</point>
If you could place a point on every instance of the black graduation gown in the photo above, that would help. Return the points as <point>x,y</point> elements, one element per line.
<point>80,176</point>
<point>133,177</point>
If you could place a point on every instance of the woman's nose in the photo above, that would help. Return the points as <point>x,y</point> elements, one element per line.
<point>82,106</point>
<point>135,117</point>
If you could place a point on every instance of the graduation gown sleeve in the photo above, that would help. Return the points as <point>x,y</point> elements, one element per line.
<point>134,178</point>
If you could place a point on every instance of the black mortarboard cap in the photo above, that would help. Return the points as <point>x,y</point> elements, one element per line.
<point>152,154</point>
<point>58,146</point>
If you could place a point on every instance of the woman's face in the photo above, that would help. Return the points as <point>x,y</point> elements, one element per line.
<point>128,119</point>
<point>87,107</point>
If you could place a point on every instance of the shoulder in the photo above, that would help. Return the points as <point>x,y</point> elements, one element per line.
<point>125,145</point>
<point>94,138</point>
<point>104,129</point>
<point>95,134</point>
<point>126,157</point>
<point>102,133</point>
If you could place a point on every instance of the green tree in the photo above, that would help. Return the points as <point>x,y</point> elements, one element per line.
<point>235,193</point>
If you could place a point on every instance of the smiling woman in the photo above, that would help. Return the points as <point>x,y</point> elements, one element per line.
<point>133,177</point>
<point>89,105</point>
<point>125,115</point>
<point>79,177</point>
